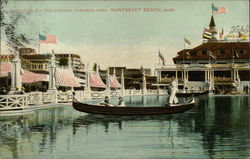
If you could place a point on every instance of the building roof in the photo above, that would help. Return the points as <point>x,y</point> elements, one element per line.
<point>212,23</point>
<point>214,47</point>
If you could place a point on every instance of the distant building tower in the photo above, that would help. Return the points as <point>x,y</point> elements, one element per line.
<point>212,29</point>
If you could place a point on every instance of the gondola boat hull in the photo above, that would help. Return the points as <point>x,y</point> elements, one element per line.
<point>116,110</point>
<point>192,94</point>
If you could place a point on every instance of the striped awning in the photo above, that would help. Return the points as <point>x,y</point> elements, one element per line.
<point>5,68</point>
<point>66,78</point>
<point>96,81</point>
<point>30,77</point>
<point>27,76</point>
<point>114,82</point>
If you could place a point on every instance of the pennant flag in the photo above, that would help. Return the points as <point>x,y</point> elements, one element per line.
<point>187,41</point>
<point>162,58</point>
<point>221,34</point>
<point>187,54</point>
<point>49,39</point>
<point>217,10</point>
<point>240,35</point>
<point>211,55</point>
<point>206,36</point>
<point>207,30</point>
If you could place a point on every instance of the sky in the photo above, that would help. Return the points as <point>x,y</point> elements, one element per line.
<point>131,39</point>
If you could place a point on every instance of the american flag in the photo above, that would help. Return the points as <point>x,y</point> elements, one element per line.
<point>217,10</point>
<point>162,58</point>
<point>49,39</point>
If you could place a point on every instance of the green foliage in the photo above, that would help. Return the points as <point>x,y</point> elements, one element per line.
<point>63,61</point>
<point>95,67</point>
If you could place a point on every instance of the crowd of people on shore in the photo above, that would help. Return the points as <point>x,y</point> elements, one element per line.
<point>4,91</point>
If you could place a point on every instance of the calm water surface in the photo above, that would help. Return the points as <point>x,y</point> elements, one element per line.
<point>217,127</point>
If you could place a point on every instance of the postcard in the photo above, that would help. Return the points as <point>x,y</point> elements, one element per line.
<point>124,79</point>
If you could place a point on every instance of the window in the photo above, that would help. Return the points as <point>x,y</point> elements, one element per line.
<point>186,63</point>
<point>221,62</point>
<point>194,53</point>
<point>203,62</point>
<point>240,62</point>
<point>241,52</point>
<point>222,52</point>
<point>203,52</point>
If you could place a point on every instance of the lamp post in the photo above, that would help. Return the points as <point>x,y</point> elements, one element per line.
<point>144,83</point>
<point>16,80</point>
<point>52,79</point>
<point>122,83</point>
<point>107,83</point>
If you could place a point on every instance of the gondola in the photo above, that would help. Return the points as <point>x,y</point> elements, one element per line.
<point>118,110</point>
<point>188,94</point>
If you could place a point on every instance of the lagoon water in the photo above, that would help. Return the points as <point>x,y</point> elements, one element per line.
<point>217,127</point>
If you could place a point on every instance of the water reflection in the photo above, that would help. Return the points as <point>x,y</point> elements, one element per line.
<point>216,127</point>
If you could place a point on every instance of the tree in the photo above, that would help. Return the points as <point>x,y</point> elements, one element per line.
<point>95,67</point>
<point>63,61</point>
<point>9,23</point>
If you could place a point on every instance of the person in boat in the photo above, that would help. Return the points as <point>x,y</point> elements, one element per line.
<point>174,88</point>
<point>106,101</point>
<point>121,102</point>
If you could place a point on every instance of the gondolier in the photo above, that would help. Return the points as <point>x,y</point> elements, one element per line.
<point>174,88</point>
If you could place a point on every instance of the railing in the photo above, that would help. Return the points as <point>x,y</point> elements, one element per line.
<point>47,97</point>
<point>190,66</point>
<point>11,102</point>
<point>151,92</point>
<point>133,92</point>
<point>98,94</point>
<point>64,97</point>
<point>115,93</point>
<point>35,98</point>
<point>8,102</point>
<point>79,95</point>
<point>223,80</point>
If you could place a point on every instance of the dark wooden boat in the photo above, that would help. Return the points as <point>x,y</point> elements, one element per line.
<point>188,94</point>
<point>117,110</point>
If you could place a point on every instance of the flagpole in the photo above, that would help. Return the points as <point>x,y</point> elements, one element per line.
<point>233,57</point>
<point>159,57</point>
<point>39,48</point>
<point>212,9</point>
<point>183,53</point>
<point>209,59</point>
